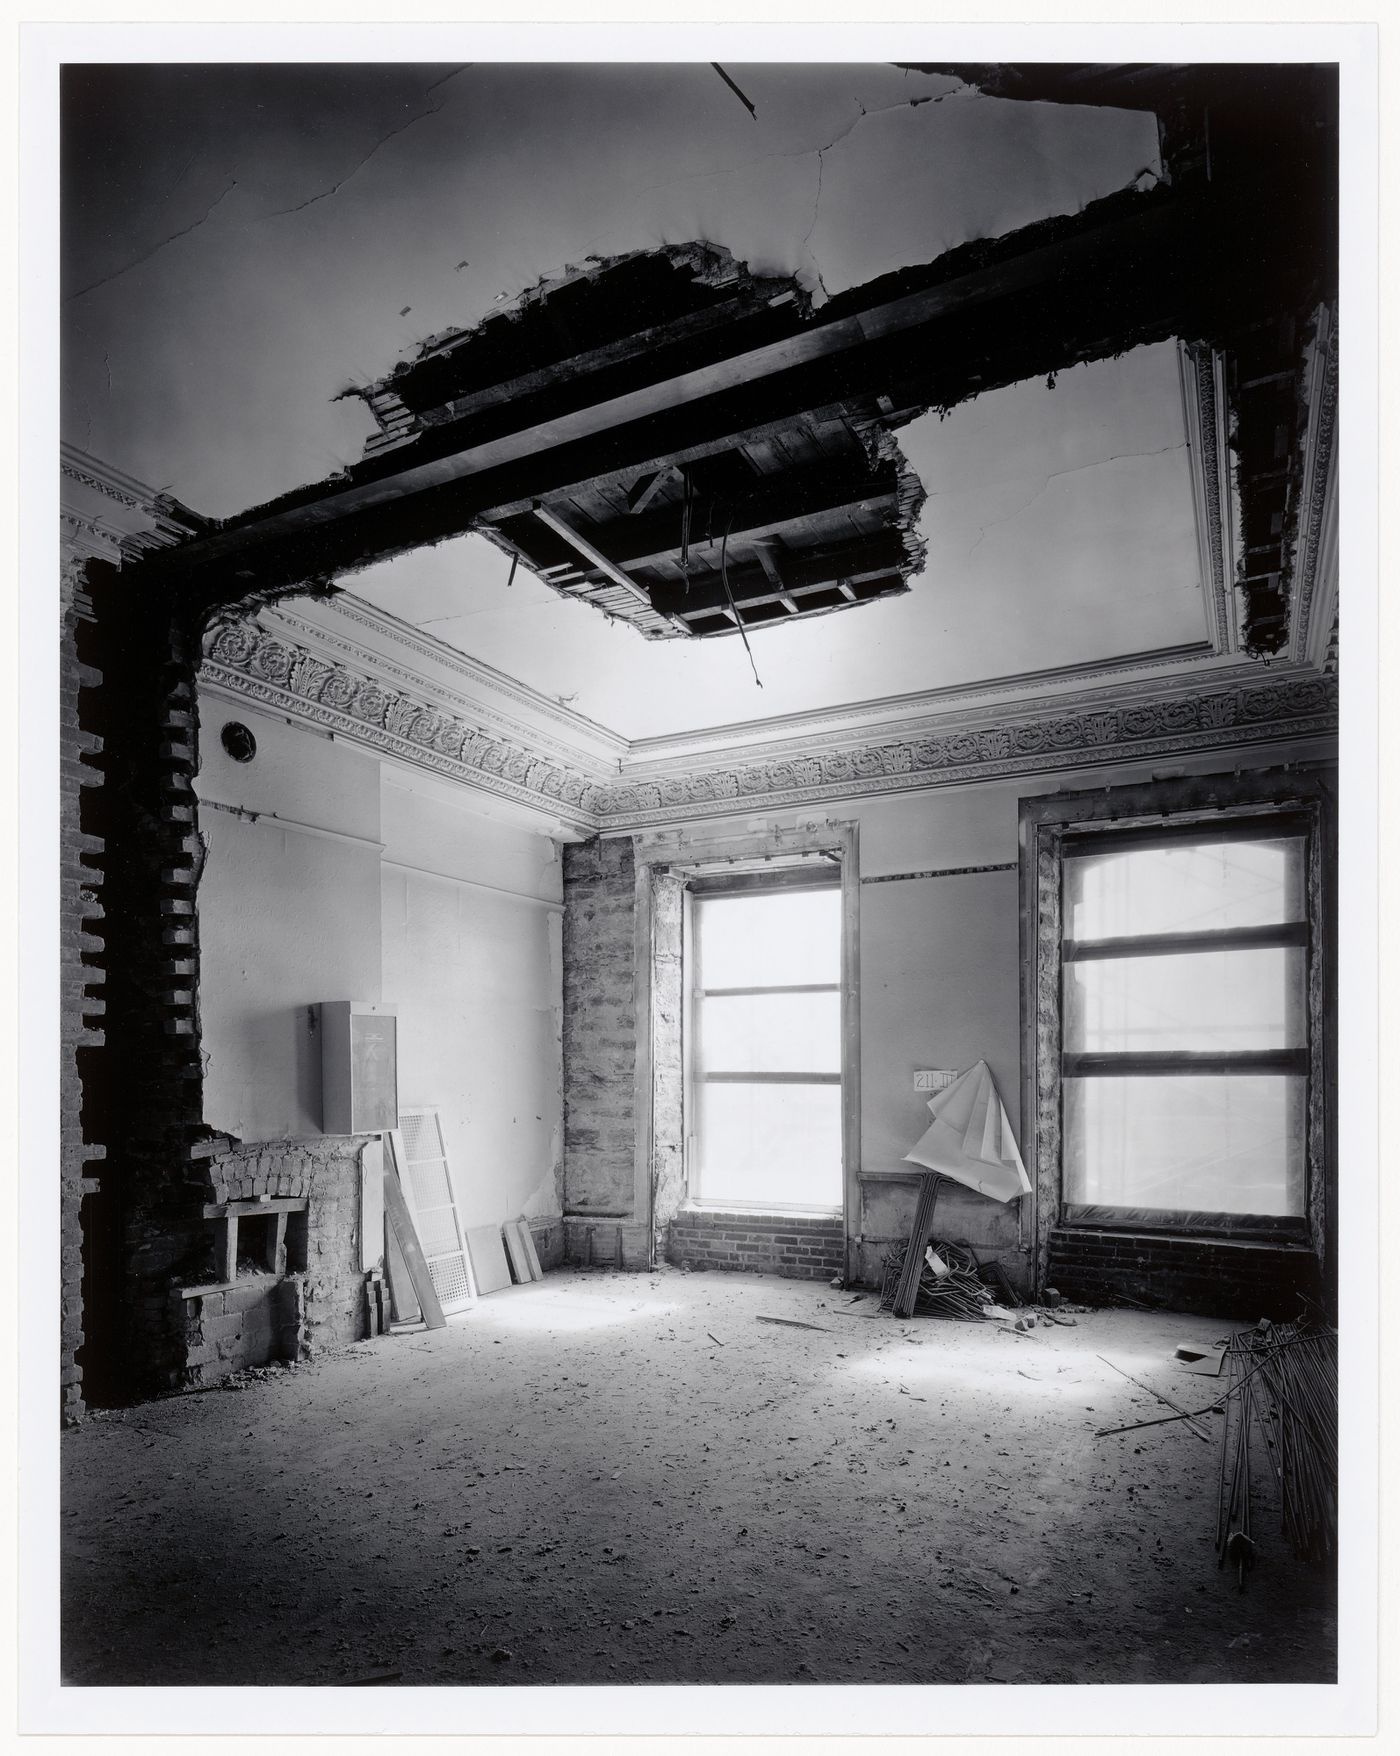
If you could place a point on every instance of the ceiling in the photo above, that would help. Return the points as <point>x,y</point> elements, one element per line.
<point>242,246</point>
<point>1060,532</point>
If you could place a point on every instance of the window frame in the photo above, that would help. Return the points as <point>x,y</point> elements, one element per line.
<point>699,890</point>
<point>1253,807</point>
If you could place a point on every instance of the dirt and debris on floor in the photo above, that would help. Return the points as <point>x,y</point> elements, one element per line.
<point>628,1478</point>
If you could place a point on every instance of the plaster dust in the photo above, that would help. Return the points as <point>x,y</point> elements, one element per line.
<point>577,1484</point>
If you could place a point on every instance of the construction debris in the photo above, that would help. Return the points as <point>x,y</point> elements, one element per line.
<point>1185,1414</point>
<point>947,1283</point>
<point>1283,1378</point>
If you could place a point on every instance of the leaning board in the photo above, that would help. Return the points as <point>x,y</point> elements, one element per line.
<point>488,1256</point>
<point>515,1250</point>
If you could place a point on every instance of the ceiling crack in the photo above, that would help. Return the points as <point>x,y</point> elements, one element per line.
<point>1071,470</point>
<point>146,255</point>
<point>383,141</point>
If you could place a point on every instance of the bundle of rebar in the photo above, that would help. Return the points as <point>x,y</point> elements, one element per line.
<point>957,1293</point>
<point>1284,1378</point>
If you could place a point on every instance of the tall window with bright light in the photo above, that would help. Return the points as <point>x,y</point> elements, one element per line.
<point>1185,1024</point>
<point>765,983</point>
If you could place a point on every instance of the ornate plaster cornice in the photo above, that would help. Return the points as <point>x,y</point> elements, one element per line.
<point>1296,706</point>
<point>573,740</point>
<point>245,659</point>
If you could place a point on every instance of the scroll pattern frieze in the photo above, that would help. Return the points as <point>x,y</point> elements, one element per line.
<point>244,657</point>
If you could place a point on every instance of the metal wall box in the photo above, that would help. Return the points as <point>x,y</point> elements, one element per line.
<point>359,1067</point>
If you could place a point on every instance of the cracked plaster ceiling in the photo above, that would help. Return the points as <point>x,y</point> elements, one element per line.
<point>242,244</point>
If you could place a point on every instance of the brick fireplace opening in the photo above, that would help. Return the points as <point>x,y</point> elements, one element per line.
<point>251,1310</point>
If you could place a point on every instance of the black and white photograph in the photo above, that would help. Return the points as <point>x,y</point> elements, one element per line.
<point>699,855</point>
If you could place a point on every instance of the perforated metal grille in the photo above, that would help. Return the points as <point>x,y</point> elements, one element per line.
<point>430,1185</point>
<point>449,1278</point>
<point>428,1188</point>
<point>422,1136</point>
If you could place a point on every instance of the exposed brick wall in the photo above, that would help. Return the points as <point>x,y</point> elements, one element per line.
<point>799,1249</point>
<point>321,1304</point>
<point>606,1243</point>
<point>80,980</point>
<point>667,1054</point>
<point>600,1045</point>
<point>549,1241</point>
<point>1216,1278</point>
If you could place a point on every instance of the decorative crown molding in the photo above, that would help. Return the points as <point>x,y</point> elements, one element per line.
<point>245,660</point>
<point>1297,706</point>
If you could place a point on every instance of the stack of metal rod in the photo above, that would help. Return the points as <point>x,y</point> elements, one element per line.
<point>958,1292</point>
<point>1283,1380</point>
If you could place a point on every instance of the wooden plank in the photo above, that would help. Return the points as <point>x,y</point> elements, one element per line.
<point>595,557</point>
<point>403,1307</point>
<point>221,1210</point>
<point>532,1256</point>
<point>515,1251</point>
<point>488,1256</point>
<point>406,1234</point>
<point>907,1294</point>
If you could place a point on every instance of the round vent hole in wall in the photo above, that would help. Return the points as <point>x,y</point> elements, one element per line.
<point>240,743</point>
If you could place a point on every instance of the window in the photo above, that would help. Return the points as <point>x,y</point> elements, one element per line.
<point>1184,1025</point>
<point>765,985</point>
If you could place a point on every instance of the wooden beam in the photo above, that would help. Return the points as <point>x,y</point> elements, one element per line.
<point>592,555</point>
<point>644,491</point>
<point>1127,270</point>
<point>855,563</point>
<point>774,504</point>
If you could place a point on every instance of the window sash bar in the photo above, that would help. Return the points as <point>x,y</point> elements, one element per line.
<point>1261,823</point>
<point>1168,1062</point>
<point>769,1078</point>
<point>781,988</point>
<point>1171,944</point>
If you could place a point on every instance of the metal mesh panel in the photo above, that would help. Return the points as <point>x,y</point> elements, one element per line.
<point>437,1230</point>
<point>449,1278</point>
<point>429,1184</point>
<point>422,1138</point>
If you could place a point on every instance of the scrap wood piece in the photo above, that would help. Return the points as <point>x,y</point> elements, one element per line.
<point>515,1251</point>
<point>792,1323</point>
<point>907,1292</point>
<point>532,1255</point>
<point>1191,1423</point>
<point>488,1258</point>
<point>406,1236</point>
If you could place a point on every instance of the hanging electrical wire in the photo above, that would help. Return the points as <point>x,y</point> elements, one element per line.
<point>686,508</point>
<point>724,577</point>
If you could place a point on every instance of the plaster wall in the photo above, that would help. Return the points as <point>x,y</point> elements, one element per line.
<point>289,916</point>
<point>477,977</point>
<point>940,961</point>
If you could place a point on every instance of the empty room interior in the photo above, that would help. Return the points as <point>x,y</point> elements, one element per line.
<point>699,714</point>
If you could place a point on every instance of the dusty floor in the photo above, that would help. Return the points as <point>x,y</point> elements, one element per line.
<point>578,1483</point>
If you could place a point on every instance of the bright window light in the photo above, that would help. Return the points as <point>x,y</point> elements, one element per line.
<point>766,1049</point>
